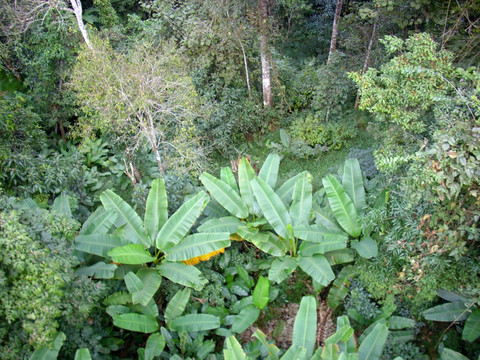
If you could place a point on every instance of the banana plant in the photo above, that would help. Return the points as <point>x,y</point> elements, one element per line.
<point>120,245</point>
<point>346,205</point>
<point>340,345</point>
<point>275,219</point>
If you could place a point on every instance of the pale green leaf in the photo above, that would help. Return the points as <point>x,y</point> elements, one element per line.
<point>100,270</point>
<point>178,225</point>
<point>471,330</point>
<point>132,254</point>
<point>46,353</point>
<point>156,211</point>
<point>281,269</point>
<point>182,274</point>
<point>269,170</point>
<point>176,306</point>
<point>97,244</point>
<point>245,175</point>
<point>301,207</point>
<point>366,248</point>
<point>133,282</point>
<point>372,346</point>
<point>449,312</point>
<point>82,354</point>
<point>62,205</point>
<point>305,326</point>
<point>195,322</point>
<point>245,318</point>
<point>449,354</point>
<point>99,222</point>
<point>233,350</point>
<point>272,207</point>
<point>227,176</point>
<point>135,322</point>
<point>318,268</point>
<point>353,183</point>
<point>198,244</point>
<point>269,243</point>
<point>260,292</point>
<point>295,352</point>
<point>228,224</point>
<point>154,346</point>
<point>135,231</point>
<point>151,280</point>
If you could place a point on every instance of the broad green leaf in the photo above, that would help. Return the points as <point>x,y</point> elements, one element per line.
<point>322,218</point>
<point>451,296</point>
<point>272,350</point>
<point>245,318</point>
<point>151,280</point>
<point>471,330</point>
<point>398,322</point>
<point>182,274</point>
<point>382,199</point>
<point>272,207</point>
<point>233,350</point>
<point>100,270</point>
<point>317,267</point>
<point>281,269</point>
<point>97,244</point>
<point>195,322</point>
<point>269,170</point>
<point>339,289</point>
<point>176,306</point>
<point>118,298</point>
<point>228,224</point>
<point>295,352</point>
<point>372,346</point>
<point>46,353</point>
<point>154,346</point>
<point>342,335</point>
<point>449,312</point>
<point>350,345</point>
<point>131,254</point>
<point>178,225</point>
<point>285,191</point>
<point>99,222</point>
<point>269,243</point>
<point>340,256</point>
<point>305,326</point>
<point>327,239</point>
<point>342,206</point>
<point>62,205</point>
<point>245,175</point>
<point>225,195</point>
<point>156,212</point>
<point>135,231</point>
<point>260,293</point>
<point>135,322</point>
<point>301,207</point>
<point>206,348</point>
<point>197,245</point>
<point>247,233</point>
<point>82,354</point>
<point>240,304</point>
<point>227,176</point>
<point>353,184</point>
<point>366,248</point>
<point>215,210</point>
<point>449,354</point>
<point>133,282</point>
<point>150,310</point>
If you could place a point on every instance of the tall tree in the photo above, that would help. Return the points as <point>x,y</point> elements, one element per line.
<point>264,53</point>
<point>333,42</point>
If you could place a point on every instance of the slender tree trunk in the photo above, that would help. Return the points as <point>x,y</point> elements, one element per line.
<point>77,9</point>
<point>266,78</point>
<point>333,42</point>
<point>246,66</point>
<point>367,59</point>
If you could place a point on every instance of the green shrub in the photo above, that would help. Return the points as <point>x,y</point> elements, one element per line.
<point>314,131</point>
<point>38,287</point>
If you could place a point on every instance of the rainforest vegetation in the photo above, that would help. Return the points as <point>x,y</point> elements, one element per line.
<point>239,179</point>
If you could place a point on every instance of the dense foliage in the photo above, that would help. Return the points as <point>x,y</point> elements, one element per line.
<point>202,179</point>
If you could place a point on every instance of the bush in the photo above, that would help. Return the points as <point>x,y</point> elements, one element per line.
<point>38,284</point>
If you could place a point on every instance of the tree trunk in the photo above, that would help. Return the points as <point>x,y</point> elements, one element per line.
<point>333,42</point>
<point>77,9</point>
<point>367,60</point>
<point>266,82</point>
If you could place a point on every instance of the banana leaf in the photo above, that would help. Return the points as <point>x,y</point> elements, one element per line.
<point>151,280</point>
<point>305,326</point>
<point>195,322</point>
<point>154,346</point>
<point>317,267</point>
<point>245,318</point>
<point>62,206</point>
<point>82,354</point>
<point>301,207</point>
<point>225,195</point>
<point>156,212</point>
<point>233,350</point>
<point>245,175</point>
<point>372,346</point>
<point>269,170</point>
<point>342,206</point>
<point>471,330</point>
<point>176,306</point>
<point>132,254</point>
<point>228,224</point>
<point>352,183</point>
<point>449,312</point>
<point>99,222</point>
<point>295,353</point>
<point>135,322</point>
<point>272,207</point>
<point>178,225</point>
<point>182,274</point>
<point>197,245</point>
<point>97,244</point>
<point>285,191</point>
<point>281,269</point>
<point>269,243</point>
<point>227,176</point>
<point>366,248</point>
<point>133,283</point>
<point>260,292</point>
<point>49,353</point>
<point>100,270</point>
<point>135,231</point>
